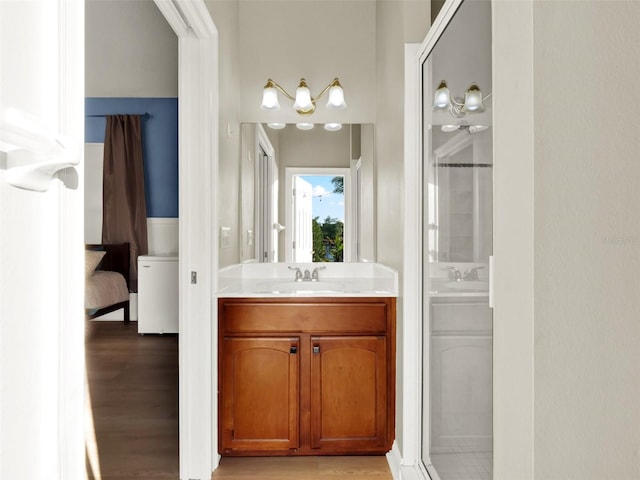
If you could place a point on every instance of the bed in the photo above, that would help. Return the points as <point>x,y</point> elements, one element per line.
<point>106,279</point>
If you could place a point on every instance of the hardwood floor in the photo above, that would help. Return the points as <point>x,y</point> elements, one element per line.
<point>133,389</point>
<point>303,468</point>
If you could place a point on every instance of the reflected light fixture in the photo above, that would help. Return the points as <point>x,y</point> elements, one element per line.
<point>332,127</point>
<point>470,129</point>
<point>473,101</point>
<point>304,102</point>
<point>304,126</point>
<point>276,125</point>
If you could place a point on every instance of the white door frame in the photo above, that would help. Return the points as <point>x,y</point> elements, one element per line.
<point>265,197</point>
<point>198,168</point>
<point>513,314</point>
<point>413,308</point>
<point>290,172</point>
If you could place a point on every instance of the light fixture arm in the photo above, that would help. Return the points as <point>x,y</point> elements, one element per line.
<point>272,84</point>
<point>334,83</point>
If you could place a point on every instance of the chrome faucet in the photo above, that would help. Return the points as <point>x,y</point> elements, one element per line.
<point>314,275</point>
<point>307,276</point>
<point>298,273</point>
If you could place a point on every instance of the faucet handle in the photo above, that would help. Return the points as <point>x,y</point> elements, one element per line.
<point>454,273</point>
<point>471,273</point>
<point>314,275</point>
<point>298,272</point>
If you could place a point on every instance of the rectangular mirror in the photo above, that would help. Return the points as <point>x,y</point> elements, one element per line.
<point>307,195</point>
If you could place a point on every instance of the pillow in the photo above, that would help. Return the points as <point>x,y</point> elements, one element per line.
<point>92,259</point>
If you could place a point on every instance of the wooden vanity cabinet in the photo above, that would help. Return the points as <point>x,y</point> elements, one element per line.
<point>260,377</point>
<point>311,376</point>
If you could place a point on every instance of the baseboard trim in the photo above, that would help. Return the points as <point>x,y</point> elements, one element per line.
<point>394,459</point>
<point>404,472</point>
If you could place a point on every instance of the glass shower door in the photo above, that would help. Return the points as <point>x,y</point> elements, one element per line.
<point>457,435</point>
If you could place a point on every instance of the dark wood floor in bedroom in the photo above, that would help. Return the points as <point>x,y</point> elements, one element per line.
<point>133,387</point>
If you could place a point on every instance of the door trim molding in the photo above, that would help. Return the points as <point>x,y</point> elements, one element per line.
<point>198,172</point>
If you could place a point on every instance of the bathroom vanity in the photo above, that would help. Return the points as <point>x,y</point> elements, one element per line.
<point>310,371</point>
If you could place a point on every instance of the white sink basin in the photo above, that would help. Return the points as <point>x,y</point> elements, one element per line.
<point>474,285</point>
<point>305,287</point>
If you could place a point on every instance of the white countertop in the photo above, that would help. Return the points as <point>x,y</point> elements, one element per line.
<point>335,280</point>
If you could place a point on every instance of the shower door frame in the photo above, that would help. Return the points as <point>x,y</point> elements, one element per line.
<point>414,306</point>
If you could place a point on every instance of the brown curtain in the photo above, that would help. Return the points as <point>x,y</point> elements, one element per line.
<point>124,210</point>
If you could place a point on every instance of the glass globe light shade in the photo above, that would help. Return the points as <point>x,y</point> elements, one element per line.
<point>303,98</point>
<point>442,97</point>
<point>332,127</point>
<point>276,125</point>
<point>270,98</point>
<point>336,97</point>
<point>473,99</point>
<point>304,126</point>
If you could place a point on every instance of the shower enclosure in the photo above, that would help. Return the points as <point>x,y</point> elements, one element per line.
<point>457,436</point>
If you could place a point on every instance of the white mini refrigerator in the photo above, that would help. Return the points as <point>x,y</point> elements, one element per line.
<point>157,294</point>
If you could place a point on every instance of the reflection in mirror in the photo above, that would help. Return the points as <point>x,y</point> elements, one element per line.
<point>457,399</point>
<point>460,195</point>
<point>339,167</point>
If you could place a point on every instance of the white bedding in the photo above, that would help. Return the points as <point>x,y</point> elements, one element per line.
<point>105,288</point>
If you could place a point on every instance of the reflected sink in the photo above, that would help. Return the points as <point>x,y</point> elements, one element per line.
<point>475,285</point>
<point>305,287</point>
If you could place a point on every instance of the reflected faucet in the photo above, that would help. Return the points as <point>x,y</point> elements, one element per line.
<point>454,274</point>
<point>471,274</point>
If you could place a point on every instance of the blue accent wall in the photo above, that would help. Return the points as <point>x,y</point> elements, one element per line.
<point>159,145</point>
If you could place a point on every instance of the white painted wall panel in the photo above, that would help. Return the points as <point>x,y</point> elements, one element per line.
<point>587,240</point>
<point>287,40</point>
<point>131,50</point>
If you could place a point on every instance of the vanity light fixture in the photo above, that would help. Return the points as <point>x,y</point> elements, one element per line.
<point>473,100</point>
<point>332,127</point>
<point>471,129</point>
<point>276,125</point>
<point>304,103</point>
<point>304,126</point>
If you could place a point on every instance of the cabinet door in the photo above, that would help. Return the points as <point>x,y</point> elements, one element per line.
<point>349,394</point>
<point>461,402</point>
<point>259,394</point>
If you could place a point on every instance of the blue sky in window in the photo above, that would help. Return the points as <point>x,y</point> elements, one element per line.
<point>325,203</point>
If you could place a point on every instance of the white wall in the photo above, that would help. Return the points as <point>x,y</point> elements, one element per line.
<point>397,23</point>
<point>225,16</point>
<point>566,338</point>
<point>131,51</point>
<point>287,39</point>
<point>587,240</point>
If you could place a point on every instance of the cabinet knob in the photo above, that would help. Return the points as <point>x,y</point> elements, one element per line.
<point>293,350</point>
<point>316,349</point>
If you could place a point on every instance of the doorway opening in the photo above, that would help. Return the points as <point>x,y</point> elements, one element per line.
<point>318,203</point>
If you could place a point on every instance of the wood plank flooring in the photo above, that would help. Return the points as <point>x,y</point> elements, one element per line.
<point>133,388</point>
<point>303,468</point>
